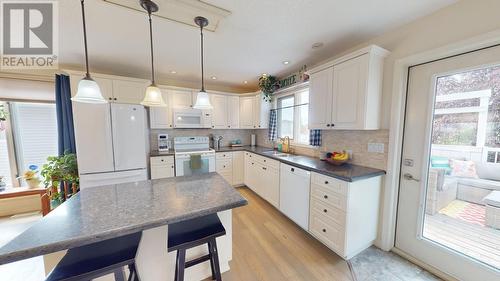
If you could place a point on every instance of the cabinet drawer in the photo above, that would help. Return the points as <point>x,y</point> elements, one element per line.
<point>162,160</point>
<point>327,211</point>
<point>327,231</point>
<point>224,165</point>
<point>161,172</point>
<point>224,155</point>
<point>328,196</point>
<point>332,184</point>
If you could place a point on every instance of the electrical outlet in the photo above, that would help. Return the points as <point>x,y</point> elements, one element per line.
<point>349,151</point>
<point>376,147</point>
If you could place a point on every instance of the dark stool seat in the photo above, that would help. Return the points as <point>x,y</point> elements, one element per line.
<point>195,232</point>
<point>99,259</point>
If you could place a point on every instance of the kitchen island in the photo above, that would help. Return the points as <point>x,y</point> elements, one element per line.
<point>99,213</point>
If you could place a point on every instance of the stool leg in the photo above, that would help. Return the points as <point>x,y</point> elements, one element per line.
<point>133,276</point>
<point>119,274</point>
<point>180,265</point>
<point>214,257</point>
<point>211,260</point>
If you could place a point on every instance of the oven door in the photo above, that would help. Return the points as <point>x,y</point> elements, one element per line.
<point>183,165</point>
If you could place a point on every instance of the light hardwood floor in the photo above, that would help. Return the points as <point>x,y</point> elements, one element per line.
<point>268,246</point>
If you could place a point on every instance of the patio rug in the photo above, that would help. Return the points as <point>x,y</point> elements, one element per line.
<point>469,212</point>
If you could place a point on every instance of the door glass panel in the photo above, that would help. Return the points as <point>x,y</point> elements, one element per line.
<point>462,203</point>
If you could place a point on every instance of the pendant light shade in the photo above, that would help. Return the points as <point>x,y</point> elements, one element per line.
<point>202,99</point>
<point>152,97</point>
<point>88,90</point>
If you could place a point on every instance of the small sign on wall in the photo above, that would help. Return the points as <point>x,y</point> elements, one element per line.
<point>294,78</point>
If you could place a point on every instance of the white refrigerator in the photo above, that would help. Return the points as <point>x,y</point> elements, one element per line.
<point>111,143</point>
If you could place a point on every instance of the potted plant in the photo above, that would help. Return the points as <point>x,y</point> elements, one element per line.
<point>3,116</point>
<point>268,85</point>
<point>31,176</point>
<point>52,174</point>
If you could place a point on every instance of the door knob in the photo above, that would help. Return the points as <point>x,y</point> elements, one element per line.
<point>410,177</point>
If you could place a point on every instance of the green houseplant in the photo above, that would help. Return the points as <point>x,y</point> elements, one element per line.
<point>268,85</point>
<point>3,116</point>
<point>60,176</point>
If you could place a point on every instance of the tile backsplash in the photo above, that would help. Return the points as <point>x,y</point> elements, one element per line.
<point>228,135</point>
<point>333,140</point>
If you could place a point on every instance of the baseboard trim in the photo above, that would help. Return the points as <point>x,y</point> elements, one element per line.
<point>424,265</point>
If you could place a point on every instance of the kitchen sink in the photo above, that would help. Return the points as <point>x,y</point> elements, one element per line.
<point>277,154</point>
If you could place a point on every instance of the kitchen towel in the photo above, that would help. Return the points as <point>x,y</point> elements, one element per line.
<point>315,137</point>
<point>195,161</point>
<point>273,122</point>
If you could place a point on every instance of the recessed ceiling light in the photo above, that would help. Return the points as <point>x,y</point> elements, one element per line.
<point>264,74</point>
<point>286,62</point>
<point>214,78</point>
<point>245,82</point>
<point>318,45</point>
<point>173,72</point>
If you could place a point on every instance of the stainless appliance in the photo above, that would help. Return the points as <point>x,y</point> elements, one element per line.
<point>163,143</point>
<point>193,155</point>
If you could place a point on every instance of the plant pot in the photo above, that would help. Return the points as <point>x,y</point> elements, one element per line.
<point>33,183</point>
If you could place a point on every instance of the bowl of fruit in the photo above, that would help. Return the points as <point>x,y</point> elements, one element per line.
<point>337,158</point>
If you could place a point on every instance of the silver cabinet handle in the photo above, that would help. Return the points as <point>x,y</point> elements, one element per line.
<point>410,177</point>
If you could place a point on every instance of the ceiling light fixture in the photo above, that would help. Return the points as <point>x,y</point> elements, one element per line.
<point>286,62</point>
<point>152,97</point>
<point>214,77</point>
<point>264,74</point>
<point>88,90</point>
<point>202,99</point>
<point>245,82</point>
<point>173,72</point>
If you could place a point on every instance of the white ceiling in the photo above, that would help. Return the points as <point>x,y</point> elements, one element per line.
<point>255,38</point>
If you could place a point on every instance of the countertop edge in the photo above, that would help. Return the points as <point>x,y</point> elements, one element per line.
<point>85,240</point>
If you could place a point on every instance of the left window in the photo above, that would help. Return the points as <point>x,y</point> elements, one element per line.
<point>28,139</point>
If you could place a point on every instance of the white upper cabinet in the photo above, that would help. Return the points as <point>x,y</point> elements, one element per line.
<point>247,112</point>
<point>161,117</point>
<point>320,99</point>
<point>262,110</point>
<point>219,112</point>
<point>233,110</point>
<point>345,94</point>
<point>128,91</point>
<point>182,99</point>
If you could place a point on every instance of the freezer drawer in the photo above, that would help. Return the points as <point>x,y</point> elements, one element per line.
<point>101,179</point>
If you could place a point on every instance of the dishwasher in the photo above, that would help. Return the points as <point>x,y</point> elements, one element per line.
<point>294,194</point>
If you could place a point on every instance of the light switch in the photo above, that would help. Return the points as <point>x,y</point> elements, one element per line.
<point>376,147</point>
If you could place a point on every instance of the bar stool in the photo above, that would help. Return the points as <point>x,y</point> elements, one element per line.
<point>99,259</point>
<point>188,234</point>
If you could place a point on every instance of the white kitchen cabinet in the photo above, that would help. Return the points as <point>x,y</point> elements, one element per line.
<point>162,167</point>
<point>320,99</point>
<point>233,110</point>
<point>182,98</point>
<point>125,91</point>
<point>247,112</point>
<point>344,215</point>
<point>262,176</point>
<point>261,112</point>
<point>161,117</point>
<point>294,194</point>
<point>345,94</point>
<point>219,112</point>
<point>238,167</point>
<point>224,165</point>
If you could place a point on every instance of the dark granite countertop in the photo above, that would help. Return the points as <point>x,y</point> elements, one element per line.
<point>155,153</point>
<point>347,172</point>
<point>104,212</point>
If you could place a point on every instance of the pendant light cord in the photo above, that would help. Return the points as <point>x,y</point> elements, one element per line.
<point>151,40</point>
<point>202,72</point>
<point>87,75</point>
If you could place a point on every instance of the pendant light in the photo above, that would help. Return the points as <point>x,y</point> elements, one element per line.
<point>152,97</point>
<point>202,99</point>
<point>88,90</point>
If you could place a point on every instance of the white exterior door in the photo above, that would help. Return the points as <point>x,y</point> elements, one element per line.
<point>320,99</point>
<point>439,215</point>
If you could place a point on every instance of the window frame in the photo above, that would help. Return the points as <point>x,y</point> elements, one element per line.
<point>296,92</point>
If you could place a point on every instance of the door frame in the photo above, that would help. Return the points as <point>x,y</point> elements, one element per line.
<point>398,110</point>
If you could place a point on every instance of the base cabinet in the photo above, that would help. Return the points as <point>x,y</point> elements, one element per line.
<point>263,177</point>
<point>344,216</point>
<point>162,167</point>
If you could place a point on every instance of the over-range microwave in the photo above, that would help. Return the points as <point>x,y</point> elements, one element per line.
<point>192,118</point>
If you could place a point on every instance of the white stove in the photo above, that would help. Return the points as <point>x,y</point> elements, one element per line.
<point>193,155</point>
